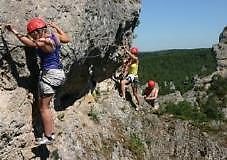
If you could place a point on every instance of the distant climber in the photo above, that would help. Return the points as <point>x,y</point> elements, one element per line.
<point>48,47</point>
<point>151,94</point>
<point>131,72</point>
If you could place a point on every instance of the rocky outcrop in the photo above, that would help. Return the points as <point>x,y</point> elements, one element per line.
<point>102,126</point>
<point>175,98</point>
<point>97,29</point>
<point>220,51</point>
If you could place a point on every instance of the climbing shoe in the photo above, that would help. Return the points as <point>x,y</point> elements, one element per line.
<point>46,140</point>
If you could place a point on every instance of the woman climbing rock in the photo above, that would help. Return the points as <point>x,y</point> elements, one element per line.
<point>52,75</point>
<point>132,75</point>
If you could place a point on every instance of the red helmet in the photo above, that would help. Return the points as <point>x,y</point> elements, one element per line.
<point>134,50</point>
<point>34,24</point>
<point>151,84</point>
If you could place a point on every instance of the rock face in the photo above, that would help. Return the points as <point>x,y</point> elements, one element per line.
<point>220,50</point>
<point>102,126</point>
<point>97,30</point>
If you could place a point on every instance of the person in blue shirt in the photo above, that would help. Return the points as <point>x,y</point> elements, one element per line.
<point>48,47</point>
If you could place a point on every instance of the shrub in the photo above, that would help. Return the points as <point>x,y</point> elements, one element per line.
<point>93,115</point>
<point>218,86</point>
<point>134,144</point>
<point>185,111</point>
<point>216,99</point>
<point>213,111</point>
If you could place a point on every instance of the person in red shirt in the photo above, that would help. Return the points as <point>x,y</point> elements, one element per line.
<point>151,94</point>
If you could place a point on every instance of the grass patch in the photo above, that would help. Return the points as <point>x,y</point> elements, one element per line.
<point>93,115</point>
<point>135,145</point>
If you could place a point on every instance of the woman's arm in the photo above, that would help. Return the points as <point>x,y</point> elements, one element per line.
<point>46,44</point>
<point>23,38</point>
<point>63,37</point>
<point>153,96</point>
<point>130,54</point>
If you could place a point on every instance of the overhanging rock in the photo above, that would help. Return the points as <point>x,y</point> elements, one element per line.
<point>97,29</point>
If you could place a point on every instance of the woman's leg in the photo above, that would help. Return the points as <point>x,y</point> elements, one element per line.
<point>123,83</point>
<point>135,93</point>
<point>48,123</point>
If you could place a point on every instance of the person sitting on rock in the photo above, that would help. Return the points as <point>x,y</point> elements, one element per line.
<point>132,75</point>
<point>48,49</point>
<point>151,94</point>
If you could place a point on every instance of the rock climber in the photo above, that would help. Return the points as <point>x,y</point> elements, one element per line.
<point>151,94</point>
<point>132,74</point>
<point>48,46</point>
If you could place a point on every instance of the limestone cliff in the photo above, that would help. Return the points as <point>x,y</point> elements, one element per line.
<point>97,29</point>
<point>220,50</point>
<point>98,126</point>
<point>102,126</point>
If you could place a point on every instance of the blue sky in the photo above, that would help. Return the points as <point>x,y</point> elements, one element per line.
<point>175,24</point>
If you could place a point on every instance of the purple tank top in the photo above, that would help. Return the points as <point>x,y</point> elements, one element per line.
<point>51,60</point>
